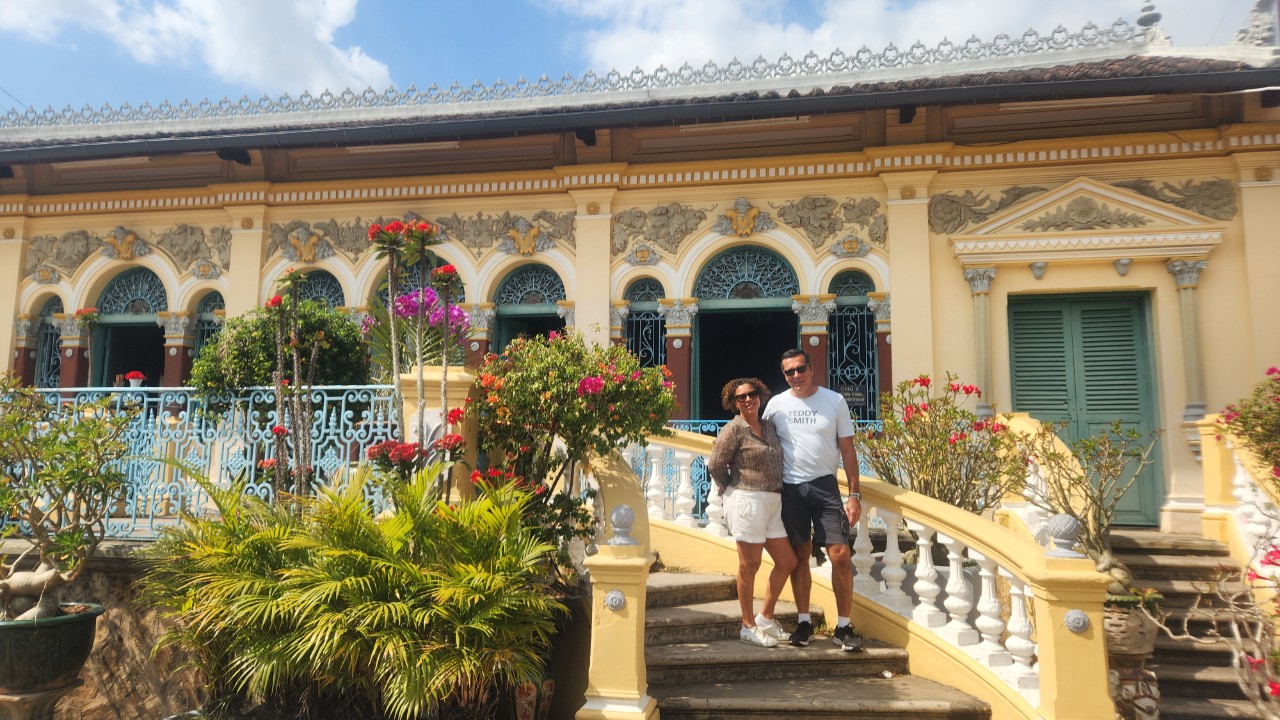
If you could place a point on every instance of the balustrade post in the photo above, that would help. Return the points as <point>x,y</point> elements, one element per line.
<point>684,490</point>
<point>959,595</point>
<point>990,615</point>
<point>1072,657</point>
<point>892,571</point>
<point>1019,644</point>
<point>863,582</point>
<point>656,490</point>
<point>715,513</point>
<point>926,587</point>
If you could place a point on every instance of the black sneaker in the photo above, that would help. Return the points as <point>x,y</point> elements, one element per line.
<point>803,631</point>
<point>846,639</point>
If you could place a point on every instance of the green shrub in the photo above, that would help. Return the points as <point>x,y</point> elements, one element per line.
<point>427,612</point>
<point>244,355</point>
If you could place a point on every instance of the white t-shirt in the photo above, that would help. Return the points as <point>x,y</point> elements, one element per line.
<point>808,428</point>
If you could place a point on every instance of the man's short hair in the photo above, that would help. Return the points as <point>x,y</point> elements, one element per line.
<point>796,352</point>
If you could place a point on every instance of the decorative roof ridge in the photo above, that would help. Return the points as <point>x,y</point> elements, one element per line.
<point>1031,49</point>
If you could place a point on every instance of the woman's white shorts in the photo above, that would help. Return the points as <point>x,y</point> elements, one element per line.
<point>753,516</point>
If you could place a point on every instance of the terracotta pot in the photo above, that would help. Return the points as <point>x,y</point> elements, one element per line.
<point>1129,631</point>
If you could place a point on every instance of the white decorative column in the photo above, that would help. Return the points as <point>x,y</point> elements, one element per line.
<point>618,312</point>
<point>813,311</point>
<point>1187,275</point>
<point>979,280</point>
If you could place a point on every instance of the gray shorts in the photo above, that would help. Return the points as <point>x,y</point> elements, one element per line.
<point>815,507</point>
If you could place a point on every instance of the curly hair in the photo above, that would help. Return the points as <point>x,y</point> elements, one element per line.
<point>727,400</point>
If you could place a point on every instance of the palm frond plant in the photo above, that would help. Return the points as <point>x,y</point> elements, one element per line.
<point>425,612</point>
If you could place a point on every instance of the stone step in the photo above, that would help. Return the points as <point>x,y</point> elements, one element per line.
<point>1180,708</point>
<point>733,660</point>
<point>1180,651</point>
<point>1156,566</point>
<point>1154,542</point>
<point>1197,682</point>
<point>717,620</point>
<point>902,697</point>
<point>1182,593</point>
<point>667,589</point>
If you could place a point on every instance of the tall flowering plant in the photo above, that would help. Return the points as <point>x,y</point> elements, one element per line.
<point>1255,420</point>
<point>934,445</point>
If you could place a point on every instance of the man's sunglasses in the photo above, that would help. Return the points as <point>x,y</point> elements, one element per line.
<point>747,395</point>
<point>795,370</point>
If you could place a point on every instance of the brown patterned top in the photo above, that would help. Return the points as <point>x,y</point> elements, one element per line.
<point>742,459</point>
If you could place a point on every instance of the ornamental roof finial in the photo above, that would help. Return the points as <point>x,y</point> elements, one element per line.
<point>1261,30</point>
<point>1149,21</point>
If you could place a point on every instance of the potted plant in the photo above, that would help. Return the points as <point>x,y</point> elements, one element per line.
<point>135,378</point>
<point>1084,481</point>
<point>60,475</point>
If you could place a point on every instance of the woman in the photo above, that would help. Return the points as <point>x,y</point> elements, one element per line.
<point>747,461</point>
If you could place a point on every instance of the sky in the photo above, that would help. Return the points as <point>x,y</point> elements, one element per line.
<point>59,53</point>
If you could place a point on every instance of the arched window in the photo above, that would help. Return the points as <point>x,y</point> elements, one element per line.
<point>49,346</point>
<point>646,331</point>
<point>323,287</point>
<point>208,324</point>
<point>746,273</point>
<point>136,291</point>
<point>851,283</point>
<point>530,285</point>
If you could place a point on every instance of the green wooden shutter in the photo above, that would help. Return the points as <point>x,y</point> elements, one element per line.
<point>1040,362</point>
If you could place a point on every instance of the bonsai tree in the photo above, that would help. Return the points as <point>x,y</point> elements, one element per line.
<point>1086,479</point>
<point>60,476</point>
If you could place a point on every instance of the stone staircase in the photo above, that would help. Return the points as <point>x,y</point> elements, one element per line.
<point>699,670</point>
<point>1196,679</point>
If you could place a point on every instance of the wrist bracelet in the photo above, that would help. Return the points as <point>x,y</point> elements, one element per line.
<point>855,496</point>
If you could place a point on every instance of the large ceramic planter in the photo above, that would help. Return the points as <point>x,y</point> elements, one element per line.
<point>46,654</point>
<point>1131,639</point>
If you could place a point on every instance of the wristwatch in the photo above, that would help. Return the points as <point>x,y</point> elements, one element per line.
<point>855,496</point>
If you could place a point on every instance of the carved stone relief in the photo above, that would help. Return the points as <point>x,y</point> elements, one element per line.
<point>642,255</point>
<point>949,213</point>
<point>1211,198</point>
<point>124,244</point>
<point>205,256</point>
<point>1084,213</point>
<point>743,219</point>
<point>511,233</point>
<point>822,218</point>
<point>815,216</point>
<point>65,253</point>
<point>665,226</point>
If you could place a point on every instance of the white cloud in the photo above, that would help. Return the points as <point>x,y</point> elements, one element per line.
<point>623,34</point>
<point>268,47</point>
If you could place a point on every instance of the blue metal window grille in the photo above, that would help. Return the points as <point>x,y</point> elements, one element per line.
<point>851,357</point>
<point>49,346</point>
<point>207,324</point>
<point>321,286</point>
<point>646,330</point>
<point>136,291</point>
<point>851,283</point>
<point>530,285</point>
<point>746,273</point>
<point>408,281</point>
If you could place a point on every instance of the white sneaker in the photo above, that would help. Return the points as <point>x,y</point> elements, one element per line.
<point>770,627</point>
<point>755,636</point>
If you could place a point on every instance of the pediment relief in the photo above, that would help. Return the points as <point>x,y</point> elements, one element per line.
<point>1085,219</point>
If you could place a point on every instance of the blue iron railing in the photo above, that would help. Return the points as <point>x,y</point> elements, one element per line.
<point>224,438</point>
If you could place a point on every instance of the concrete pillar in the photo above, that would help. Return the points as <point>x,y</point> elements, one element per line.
<point>74,370</point>
<point>910,267</point>
<point>26,332</point>
<point>591,292</point>
<point>678,314</point>
<point>814,311</point>
<point>179,347</point>
<point>248,251</point>
<point>979,280</point>
<point>12,245</point>
<point>1259,217</point>
<point>481,339</point>
<point>878,303</point>
<point>1187,275</point>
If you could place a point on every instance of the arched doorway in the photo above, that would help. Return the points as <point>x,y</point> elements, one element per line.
<point>128,333</point>
<point>646,331</point>
<point>853,369</point>
<point>49,346</point>
<point>744,323</point>
<point>526,304</point>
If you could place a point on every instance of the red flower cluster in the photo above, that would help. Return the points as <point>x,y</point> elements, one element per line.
<point>455,416</point>
<point>922,381</point>
<point>991,425</point>
<point>274,301</point>
<point>966,389</point>
<point>279,431</point>
<point>268,464</point>
<point>134,375</point>
<point>452,443</point>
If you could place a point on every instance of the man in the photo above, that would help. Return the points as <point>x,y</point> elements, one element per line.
<point>816,431</point>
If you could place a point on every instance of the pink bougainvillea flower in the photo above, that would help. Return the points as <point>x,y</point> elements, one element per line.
<point>1273,370</point>
<point>590,385</point>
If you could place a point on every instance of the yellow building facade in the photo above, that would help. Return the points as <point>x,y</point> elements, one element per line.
<point>1087,233</point>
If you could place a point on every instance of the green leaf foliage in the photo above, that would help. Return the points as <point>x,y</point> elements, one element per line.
<point>427,611</point>
<point>244,354</point>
